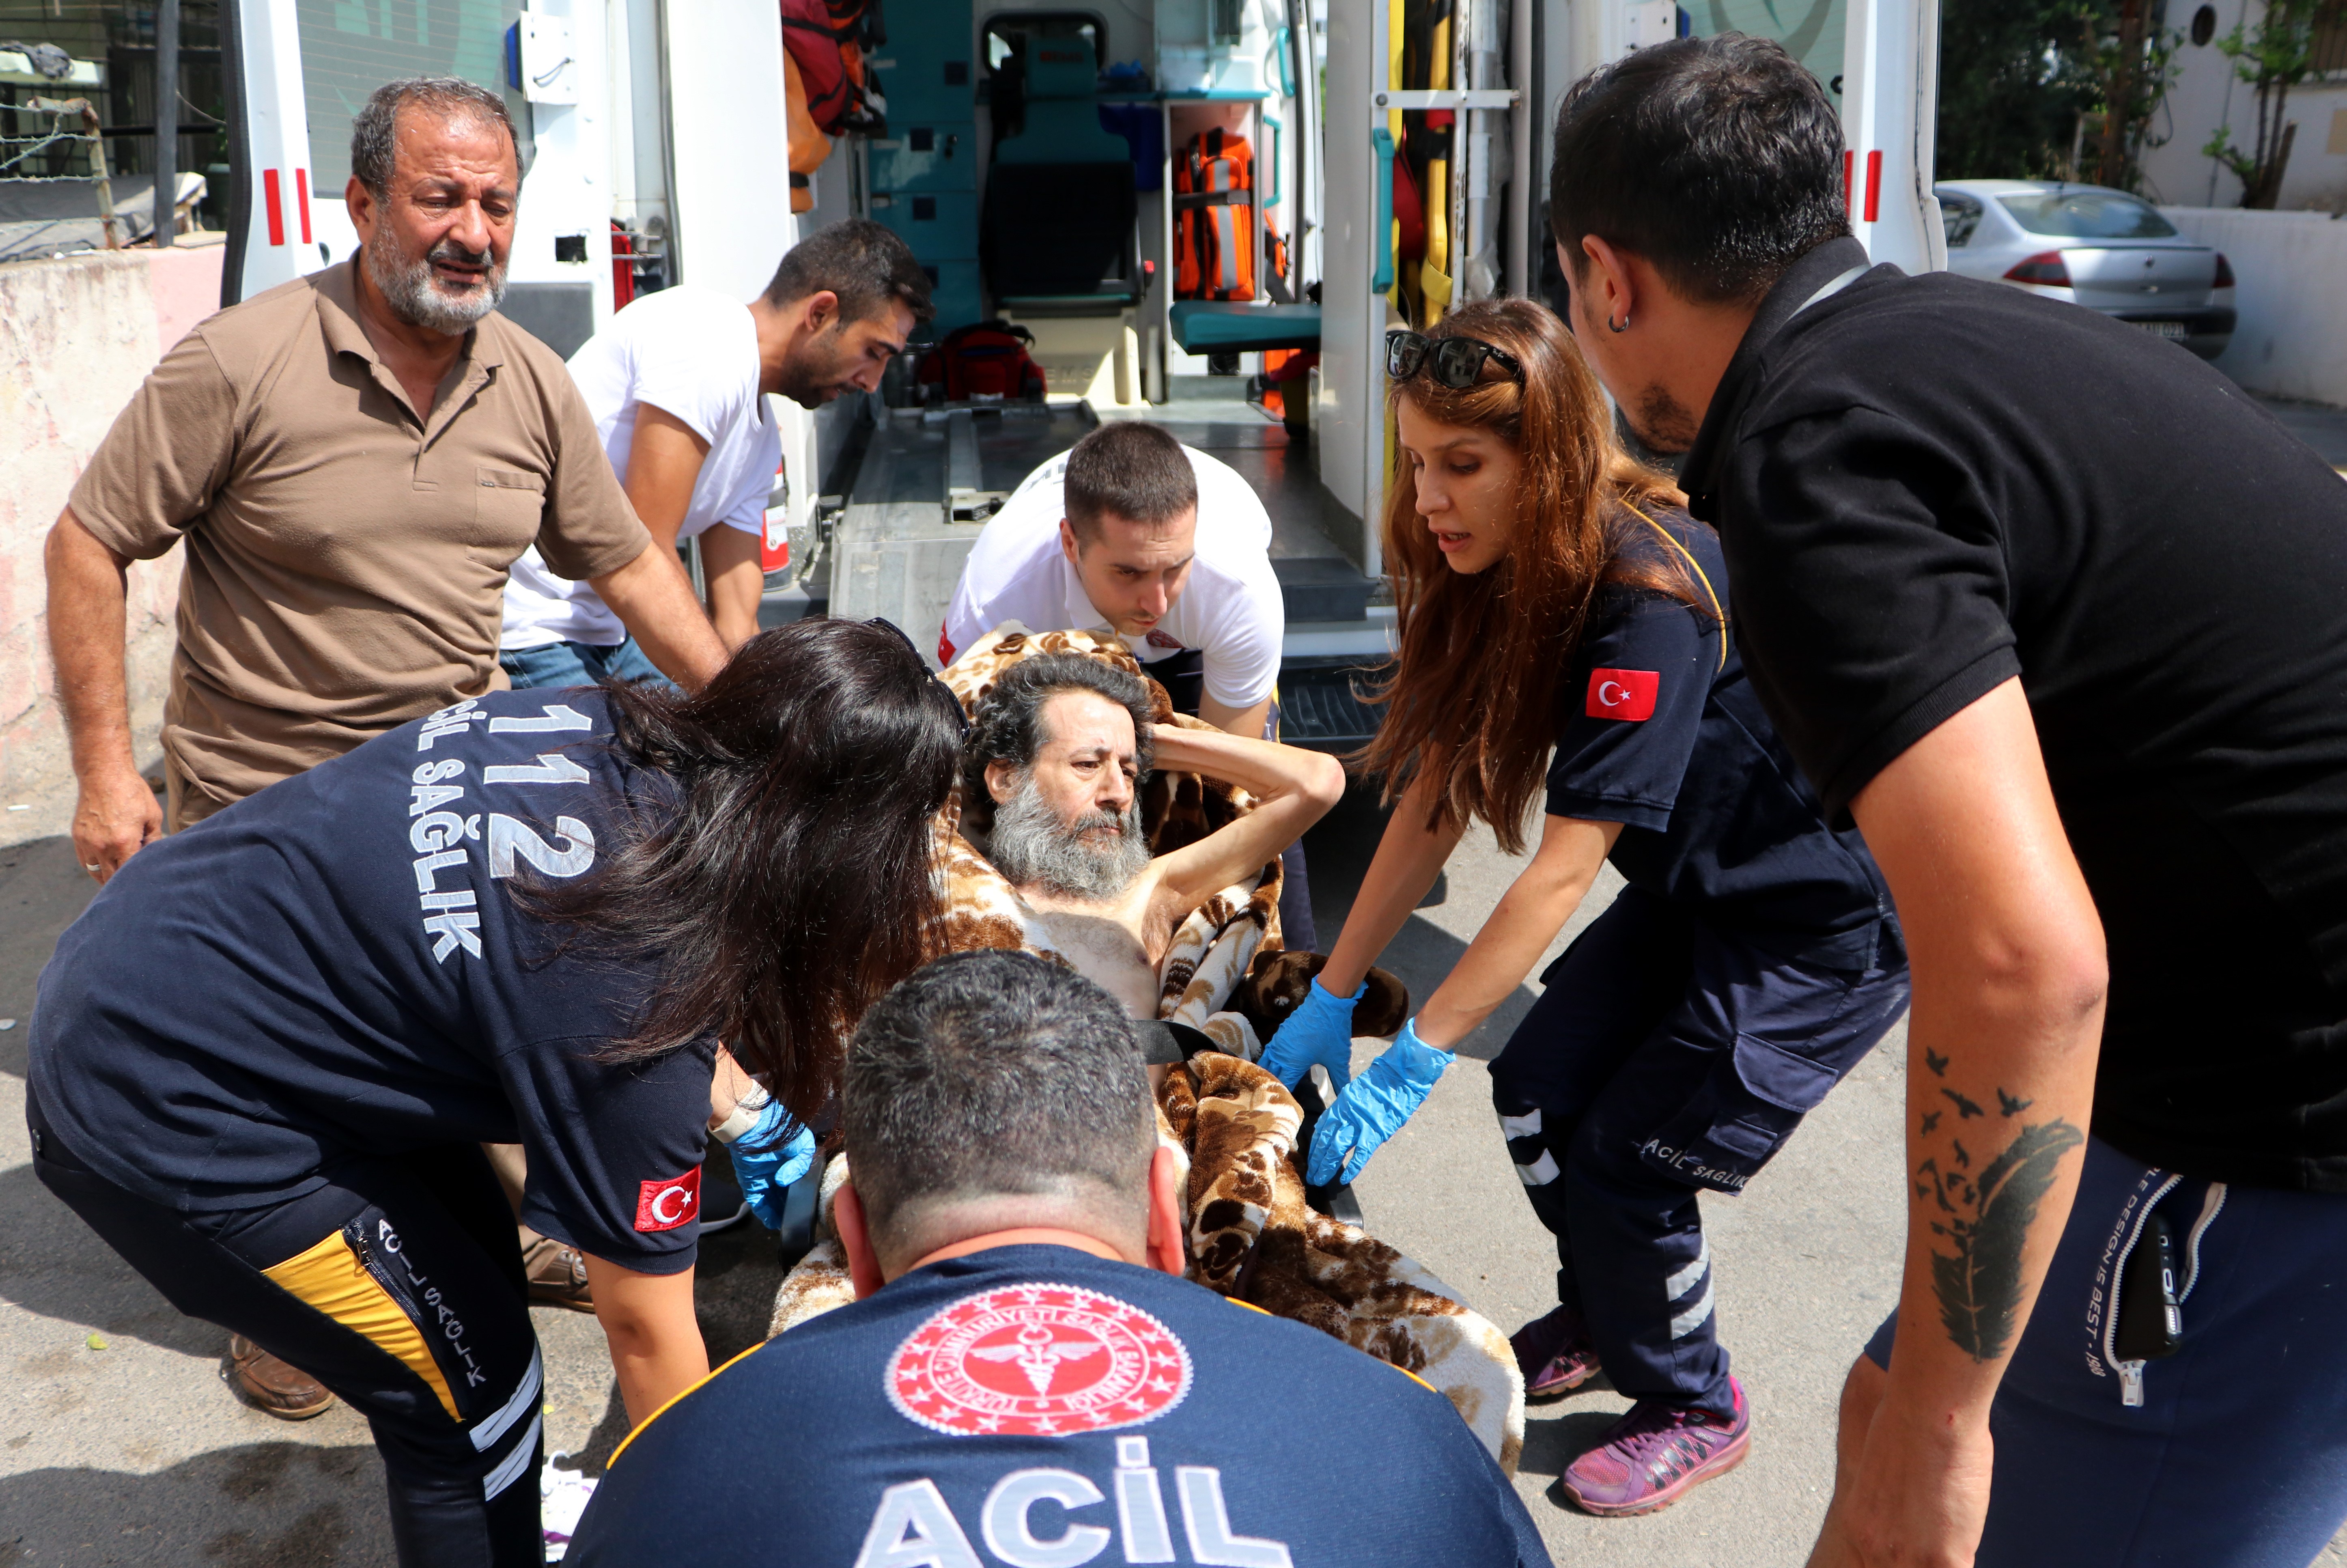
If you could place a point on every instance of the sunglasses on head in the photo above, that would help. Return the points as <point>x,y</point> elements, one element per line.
<point>886,625</point>
<point>1456,362</point>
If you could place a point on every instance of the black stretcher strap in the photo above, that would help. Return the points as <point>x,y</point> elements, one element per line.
<point>1164,1044</point>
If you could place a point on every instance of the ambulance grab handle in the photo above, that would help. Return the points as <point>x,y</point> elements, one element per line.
<point>1382,141</point>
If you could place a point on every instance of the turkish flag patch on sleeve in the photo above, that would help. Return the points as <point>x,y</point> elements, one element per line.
<point>664,1205</point>
<point>945,648</point>
<point>1624,693</point>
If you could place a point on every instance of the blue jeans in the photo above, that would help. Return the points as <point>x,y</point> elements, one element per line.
<point>2237,1457</point>
<point>578,664</point>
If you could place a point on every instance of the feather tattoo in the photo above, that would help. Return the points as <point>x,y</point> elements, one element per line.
<point>1930,1184</point>
<point>2008,1105</point>
<point>1979,1286</point>
<point>1965,1109</point>
<point>1935,1062</point>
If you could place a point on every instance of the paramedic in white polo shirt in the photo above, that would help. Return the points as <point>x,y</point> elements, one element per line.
<point>678,385</point>
<point>1135,533</point>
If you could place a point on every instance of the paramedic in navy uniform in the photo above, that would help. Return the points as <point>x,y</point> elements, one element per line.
<point>1026,1378</point>
<point>1551,592</point>
<point>265,1056</point>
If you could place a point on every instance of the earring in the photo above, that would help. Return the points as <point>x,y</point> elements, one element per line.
<point>1621,326</point>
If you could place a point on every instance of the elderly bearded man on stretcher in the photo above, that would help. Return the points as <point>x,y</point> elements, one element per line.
<point>1174,946</point>
<point>1059,751</point>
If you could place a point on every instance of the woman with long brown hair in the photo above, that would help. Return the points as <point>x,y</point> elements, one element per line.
<point>1566,636</point>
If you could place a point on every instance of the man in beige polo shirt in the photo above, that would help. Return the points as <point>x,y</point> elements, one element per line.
<point>353,460</point>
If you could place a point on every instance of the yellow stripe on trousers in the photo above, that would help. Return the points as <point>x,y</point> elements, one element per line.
<point>330,1277</point>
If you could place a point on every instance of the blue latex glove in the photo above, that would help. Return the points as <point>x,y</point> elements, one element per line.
<point>1373,1106</point>
<point>774,1153</point>
<point>1320,1030</point>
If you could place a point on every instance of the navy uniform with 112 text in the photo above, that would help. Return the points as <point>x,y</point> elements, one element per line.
<point>266,1056</point>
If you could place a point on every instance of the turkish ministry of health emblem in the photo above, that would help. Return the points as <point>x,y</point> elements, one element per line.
<point>1038,1360</point>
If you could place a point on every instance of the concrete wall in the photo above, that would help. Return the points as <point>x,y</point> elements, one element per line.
<point>2207,94</point>
<point>2292,271</point>
<point>77,336</point>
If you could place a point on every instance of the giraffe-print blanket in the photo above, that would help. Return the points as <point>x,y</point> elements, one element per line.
<point>1233,1127</point>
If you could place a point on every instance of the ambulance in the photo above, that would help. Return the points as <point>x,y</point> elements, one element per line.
<point>1203,213</point>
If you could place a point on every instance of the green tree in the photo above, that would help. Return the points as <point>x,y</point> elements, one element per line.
<point>2275,57</point>
<point>2022,82</point>
<point>2012,87</point>
<point>2133,65</point>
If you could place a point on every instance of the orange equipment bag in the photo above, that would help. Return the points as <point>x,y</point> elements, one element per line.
<point>1214,218</point>
<point>829,41</point>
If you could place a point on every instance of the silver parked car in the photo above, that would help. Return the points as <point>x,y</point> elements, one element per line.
<point>2091,246</point>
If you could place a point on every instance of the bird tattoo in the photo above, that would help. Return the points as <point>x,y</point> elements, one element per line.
<point>2008,1105</point>
<point>1935,1062</point>
<point>1965,1109</point>
<point>1932,1120</point>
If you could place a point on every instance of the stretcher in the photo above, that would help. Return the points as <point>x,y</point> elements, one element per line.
<point>1234,1128</point>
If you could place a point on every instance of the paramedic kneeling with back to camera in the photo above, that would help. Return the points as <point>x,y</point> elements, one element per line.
<point>266,1058</point>
<point>2076,667</point>
<point>1026,1378</point>
<point>1133,533</point>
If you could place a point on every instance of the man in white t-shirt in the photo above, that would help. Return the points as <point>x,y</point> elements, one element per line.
<point>1133,533</point>
<point>678,384</point>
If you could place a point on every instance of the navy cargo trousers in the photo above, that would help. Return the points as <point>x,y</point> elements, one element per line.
<point>2230,1453</point>
<point>1669,1056</point>
<point>396,1283</point>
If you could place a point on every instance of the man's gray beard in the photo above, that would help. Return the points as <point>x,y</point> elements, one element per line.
<point>1031,845</point>
<point>413,293</point>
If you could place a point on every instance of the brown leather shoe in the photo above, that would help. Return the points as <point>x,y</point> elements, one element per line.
<point>558,1274</point>
<point>271,1386</point>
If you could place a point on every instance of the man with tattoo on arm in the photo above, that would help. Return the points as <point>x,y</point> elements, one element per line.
<point>2075,670</point>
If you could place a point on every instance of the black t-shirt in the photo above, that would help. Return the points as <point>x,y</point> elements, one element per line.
<point>334,967</point>
<point>1928,486</point>
<point>1035,1404</point>
<point>1665,735</point>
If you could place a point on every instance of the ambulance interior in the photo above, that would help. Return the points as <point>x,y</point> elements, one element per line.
<point>1122,206</point>
<point>1202,212</point>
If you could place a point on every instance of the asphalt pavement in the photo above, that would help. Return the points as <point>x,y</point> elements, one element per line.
<point>118,1443</point>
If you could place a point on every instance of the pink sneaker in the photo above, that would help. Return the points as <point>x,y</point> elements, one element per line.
<point>1555,1354</point>
<point>1656,1453</point>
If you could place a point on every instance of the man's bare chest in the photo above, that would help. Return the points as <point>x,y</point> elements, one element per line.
<point>1111,946</point>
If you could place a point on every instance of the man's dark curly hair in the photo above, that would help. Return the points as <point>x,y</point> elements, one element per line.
<point>1010,725</point>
